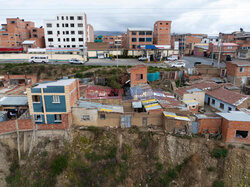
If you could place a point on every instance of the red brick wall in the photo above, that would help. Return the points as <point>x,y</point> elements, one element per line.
<point>233,70</point>
<point>229,131</point>
<point>75,95</point>
<point>162,31</point>
<point>135,71</point>
<point>209,125</point>
<point>26,124</point>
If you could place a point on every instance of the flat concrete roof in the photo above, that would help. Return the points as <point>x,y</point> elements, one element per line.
<point>62,82</point>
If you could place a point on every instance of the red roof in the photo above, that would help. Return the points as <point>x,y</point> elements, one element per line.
<point>227,96</point>
<point>204,85</point>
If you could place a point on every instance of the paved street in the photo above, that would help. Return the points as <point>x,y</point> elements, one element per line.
<point>189,60</point>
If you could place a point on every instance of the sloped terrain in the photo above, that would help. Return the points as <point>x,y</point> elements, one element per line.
<point>128,157</point>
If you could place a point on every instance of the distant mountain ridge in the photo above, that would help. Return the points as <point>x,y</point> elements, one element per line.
<point>108,33</point>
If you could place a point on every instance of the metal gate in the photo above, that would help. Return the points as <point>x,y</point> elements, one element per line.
<point>126,121</point>
<point>195,127</point>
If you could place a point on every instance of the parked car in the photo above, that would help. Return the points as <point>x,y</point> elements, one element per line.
<point>39,59</point>
<point>142,58</point>
<point>196,63</point>
<point>173,58</point>
<point>76,61</point>
<point>178,65</point>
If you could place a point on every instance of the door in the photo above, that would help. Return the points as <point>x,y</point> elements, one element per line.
<point>126,121</point>
<point>208,101</point>
<point>195,127</point>
<point>144,121</point>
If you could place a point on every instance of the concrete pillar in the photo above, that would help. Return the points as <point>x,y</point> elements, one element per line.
<point>147,55</point>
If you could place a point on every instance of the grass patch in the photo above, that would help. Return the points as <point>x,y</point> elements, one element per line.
<point>219,153</point>
<point>218,183</point>
<point>59,163</point>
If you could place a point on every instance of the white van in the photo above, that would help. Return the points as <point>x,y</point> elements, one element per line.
<point>39,59</point>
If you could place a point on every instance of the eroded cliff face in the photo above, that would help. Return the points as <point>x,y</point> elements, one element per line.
<point>129,157</point>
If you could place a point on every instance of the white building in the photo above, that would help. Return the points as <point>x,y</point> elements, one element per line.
<point>67,31</point>
<point>210,39</point>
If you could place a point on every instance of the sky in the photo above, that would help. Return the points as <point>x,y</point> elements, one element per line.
<point>195,16</point>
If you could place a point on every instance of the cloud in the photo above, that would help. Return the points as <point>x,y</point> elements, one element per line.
<point>197,16</point>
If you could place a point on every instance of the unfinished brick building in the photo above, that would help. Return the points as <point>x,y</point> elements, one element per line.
<point>138,75</point>
<point>16,31</point>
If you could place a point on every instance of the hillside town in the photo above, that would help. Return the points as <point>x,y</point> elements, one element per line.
<point>61,78</point>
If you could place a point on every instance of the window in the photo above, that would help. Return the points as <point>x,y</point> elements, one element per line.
<point>72,25</point>
<point>213,101</point>
<point>35,98</point>
<point>66,25</point>
<point>67,32</point>
<point>79,17</point>
<point>64,39</point>
<point>141,33</point>
<point>63,25</point>
<point>50,39</point>
<point>63,32</point>
<point>80,32</point>
<point>149,33</point>
<point>133,33</point>
<point>57,18</point>
<point>80,39</point>
<point>72,32</point>
<point>102,116</point>
<point>67,39</point>
<point>58,118</point>
<point>38,118</point>
<point>58,32</point>
<point>229,109</point>
<point>133,39</point>
<point>49,25</point>
<point>67,18</point>
<point>50,32</point>
<point>230,47</point>
<point>241,69</point>
<point>141,39</point>
<point>166,23</point>
<point>148,39</point>
<point>80,25</point>
<point>85,117</point>
<point>139,76</point>
<point>193,106</point>
<point>34,30</point>
<point>160,23</point>
<point>58,39</point>
<point>62,18</point>
<point>73,39</point>
<point>35,35</point>
<point>134,46</point>
<point>73,46</point>
<point>59,46</point>
<point>71,17</point>
<point>57,25</point>
<point>241,134</point>
<point>12,22</point>
<point>68,45</point>
<point>221,105</point>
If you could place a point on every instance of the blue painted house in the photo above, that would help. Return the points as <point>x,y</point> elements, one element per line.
<point>225,100</point>
<point>51,102</point>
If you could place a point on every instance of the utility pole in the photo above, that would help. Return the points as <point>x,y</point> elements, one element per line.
<point>117,54</point>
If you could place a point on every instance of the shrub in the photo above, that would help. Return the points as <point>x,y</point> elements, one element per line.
<point>219,153</point>
<point>211,169</point>
<point>59,164</point>
<point>159,166</point>
<point>218,184</point>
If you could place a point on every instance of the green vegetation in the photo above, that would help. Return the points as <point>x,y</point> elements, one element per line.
<point>218,184</point>
<point>59,164</point>
<point>219,153</point>
<point>145,139</point>
<point>211,169</point>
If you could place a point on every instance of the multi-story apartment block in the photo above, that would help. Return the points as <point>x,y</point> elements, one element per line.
<point>114,41</point>
<point>162,30</point>
<point>50,103</point>
<point>67,31</point>
<point>90,33</point>
<point>16,31</point>
<point>136,37</point>
<point>227,50</point>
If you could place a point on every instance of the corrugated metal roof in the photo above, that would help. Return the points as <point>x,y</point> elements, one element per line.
<point>152,107</point>
<point>194,90</point>
<point>101,107</point>
<point>235,116</point>
<point>136,104</point>
<point>173,115</point>
<point>14,101</point>
<point>191,102</point>
<point>146,102</point>
<point>27,42</point>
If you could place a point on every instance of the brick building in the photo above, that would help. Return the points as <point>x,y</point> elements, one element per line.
<point>238,72</point>
<point>136,37</point>
<point>114,41</point>
<point>187,42</point>
<point>50,103</point>
<point>138,75</point>
<point>227,50</point>
<point>16,31</point>
<point>90,33</point>
<point>236,127</point>
<point>162,30</point>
